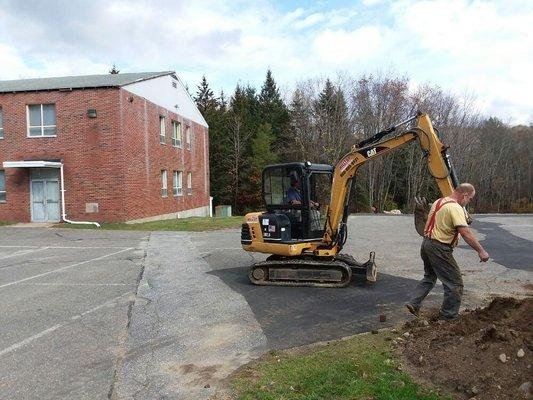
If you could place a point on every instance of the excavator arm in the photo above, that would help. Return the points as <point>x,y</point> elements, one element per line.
<point>439,165</point>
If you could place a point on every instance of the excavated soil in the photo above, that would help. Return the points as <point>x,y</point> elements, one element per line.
<point>486,354</point>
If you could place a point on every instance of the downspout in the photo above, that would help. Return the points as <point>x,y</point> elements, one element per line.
<point>64,216</point>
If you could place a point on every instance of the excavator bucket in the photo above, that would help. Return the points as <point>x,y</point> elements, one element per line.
<point>421,211</point>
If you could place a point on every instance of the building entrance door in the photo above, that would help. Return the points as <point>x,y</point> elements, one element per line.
<point>44,193</point>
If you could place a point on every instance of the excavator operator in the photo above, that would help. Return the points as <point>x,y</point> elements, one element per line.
<point>446,221</point>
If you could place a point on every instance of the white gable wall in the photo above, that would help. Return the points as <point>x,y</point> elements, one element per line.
<point>160,91</point>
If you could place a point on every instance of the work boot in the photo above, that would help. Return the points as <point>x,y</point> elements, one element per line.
<point>413,310</point>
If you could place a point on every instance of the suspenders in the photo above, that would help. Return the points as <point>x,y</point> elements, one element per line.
<point>431,222</point>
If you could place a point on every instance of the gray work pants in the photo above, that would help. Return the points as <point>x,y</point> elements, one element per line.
<point>439,263</point>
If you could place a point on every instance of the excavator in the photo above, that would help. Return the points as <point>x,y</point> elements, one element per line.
<point>304,227</point>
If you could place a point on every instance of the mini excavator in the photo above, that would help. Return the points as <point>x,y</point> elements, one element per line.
<point>305,237</point>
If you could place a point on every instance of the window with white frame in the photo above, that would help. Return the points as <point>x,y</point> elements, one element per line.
<point>164,191</point>
<point>176,134</point>
<point>1,123</point>
<point>176,183</point>
<point>41,120</point>
<point>162,130</point>
<point>189,183</point>
<point>2,186</point>
<point>188,136</point>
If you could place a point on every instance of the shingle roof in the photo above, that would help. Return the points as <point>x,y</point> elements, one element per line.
<point>77,82</point>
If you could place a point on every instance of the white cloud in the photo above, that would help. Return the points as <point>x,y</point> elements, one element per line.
<point>341,47</point>
<point>480,46</point>
<point>310,20</point>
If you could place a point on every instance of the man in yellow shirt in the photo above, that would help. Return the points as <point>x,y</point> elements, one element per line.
<point>446,221</point>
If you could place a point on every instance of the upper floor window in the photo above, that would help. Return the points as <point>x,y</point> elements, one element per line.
<point>162,130</point>
<point>176,183</point>
<point>1,123</point>
<point>41,120</point>
<point>189,183</point>
<point>2,186</point>
<point>188,136</point>
<point>176,134</point>
<point>164,192</point>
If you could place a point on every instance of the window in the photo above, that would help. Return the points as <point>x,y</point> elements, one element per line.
<point>162,134</point>
<point>1,124</point>
<point>176,134</point>
<point>41,120</point>
<point>188,136</point>
<point>164,192</point>
<point>176,183</point>
<point>189,183</point>
<point>2,186</point>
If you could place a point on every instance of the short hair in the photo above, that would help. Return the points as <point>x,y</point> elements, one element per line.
<point>465,188</point>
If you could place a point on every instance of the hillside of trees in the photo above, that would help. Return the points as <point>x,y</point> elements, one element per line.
<point>320,121</point>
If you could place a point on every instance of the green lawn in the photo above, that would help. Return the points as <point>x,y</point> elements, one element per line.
<point>363,368</point>
<point>5,223</point>
<point>183,224</point>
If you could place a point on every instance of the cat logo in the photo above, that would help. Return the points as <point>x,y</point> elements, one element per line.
<point>371,152</point>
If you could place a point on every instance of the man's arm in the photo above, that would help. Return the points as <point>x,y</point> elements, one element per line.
<point>469,238</point>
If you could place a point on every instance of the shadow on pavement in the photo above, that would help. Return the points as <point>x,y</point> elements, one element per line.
<point>294,316</point>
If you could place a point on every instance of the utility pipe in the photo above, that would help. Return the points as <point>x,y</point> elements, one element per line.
<point>63,204</point>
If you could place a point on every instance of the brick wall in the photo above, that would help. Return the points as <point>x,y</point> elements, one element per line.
<point>147,157</point>
<point>113,160</point>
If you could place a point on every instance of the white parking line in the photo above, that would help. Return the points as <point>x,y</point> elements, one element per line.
<point>23,253</point>
<point>76,284</point>
<point>64,247</point>
<point>55,327</point>
<point>66,267</point>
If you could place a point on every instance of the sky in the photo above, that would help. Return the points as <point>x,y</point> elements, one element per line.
<point>480,48</point>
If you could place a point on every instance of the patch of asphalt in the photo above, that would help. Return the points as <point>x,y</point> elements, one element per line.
<point>506,248</point>
<point>188,329</point>
<point>292,316</point>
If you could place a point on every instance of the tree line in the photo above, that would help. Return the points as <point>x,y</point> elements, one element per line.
<point>321,119</point>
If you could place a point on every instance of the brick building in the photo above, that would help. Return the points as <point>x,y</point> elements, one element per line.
<point>118,147</point>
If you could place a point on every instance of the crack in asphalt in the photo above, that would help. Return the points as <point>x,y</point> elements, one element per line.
<point>123,337</point>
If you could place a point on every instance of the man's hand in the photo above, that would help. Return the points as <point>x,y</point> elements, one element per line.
<point>483,256</point>
<point>469,238</point>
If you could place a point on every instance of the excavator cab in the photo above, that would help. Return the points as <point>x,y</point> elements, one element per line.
<point>296,197</point>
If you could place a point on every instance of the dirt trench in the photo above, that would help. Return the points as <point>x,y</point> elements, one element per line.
<point>486,354</point>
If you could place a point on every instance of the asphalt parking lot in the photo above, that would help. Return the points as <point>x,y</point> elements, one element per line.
<point>65,296</point>
<point>122,315</point>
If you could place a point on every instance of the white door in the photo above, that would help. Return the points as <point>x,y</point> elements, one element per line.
<point>44,195</point>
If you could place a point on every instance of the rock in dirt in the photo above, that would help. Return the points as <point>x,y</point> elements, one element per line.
<point>525,389</point>
<point>520,353</point>
<point>468,353</point>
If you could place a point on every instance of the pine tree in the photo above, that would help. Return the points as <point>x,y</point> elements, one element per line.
<point>114,70</point>
<point>261,156</point>
<point>204,96</point>
<point>333,124</point>
<point>273,110</point>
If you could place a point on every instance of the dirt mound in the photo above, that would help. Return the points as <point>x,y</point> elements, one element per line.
<point>484,354</point>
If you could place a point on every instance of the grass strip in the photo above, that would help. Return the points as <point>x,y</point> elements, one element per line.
<point>182,224</point>
<point>363,367</point>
